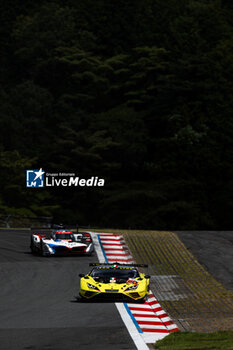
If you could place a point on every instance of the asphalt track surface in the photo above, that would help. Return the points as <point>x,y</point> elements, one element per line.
<point>214,250</point>
<point>38,309</point>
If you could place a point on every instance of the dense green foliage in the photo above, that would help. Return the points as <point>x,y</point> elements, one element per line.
<point>137,92</point>
<point>222,340</point>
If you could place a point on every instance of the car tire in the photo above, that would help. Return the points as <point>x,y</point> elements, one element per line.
<point>32,246</point>
<point>80,299</point>
<point>143,300</point>
<point>43,251</point>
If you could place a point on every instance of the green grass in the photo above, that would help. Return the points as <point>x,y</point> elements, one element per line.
<point>222,340</point>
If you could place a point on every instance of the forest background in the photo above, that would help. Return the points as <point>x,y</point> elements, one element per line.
<point>139,93</point>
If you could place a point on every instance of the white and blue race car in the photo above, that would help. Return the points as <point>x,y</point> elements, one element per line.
<point>61,242</point>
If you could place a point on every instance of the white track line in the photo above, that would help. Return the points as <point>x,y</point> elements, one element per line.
<point>97,246</point>
<point>135,335</point>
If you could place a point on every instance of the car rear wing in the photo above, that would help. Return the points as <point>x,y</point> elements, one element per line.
<point>117,263</point>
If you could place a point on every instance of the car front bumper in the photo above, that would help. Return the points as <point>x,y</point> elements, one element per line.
<point>121,296</point>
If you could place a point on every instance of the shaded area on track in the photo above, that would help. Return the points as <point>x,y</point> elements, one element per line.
<point>38,309</point>
<point>191,296</point>
<point>64,338</point>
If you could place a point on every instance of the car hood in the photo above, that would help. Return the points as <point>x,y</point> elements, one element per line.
<point>111,285</point>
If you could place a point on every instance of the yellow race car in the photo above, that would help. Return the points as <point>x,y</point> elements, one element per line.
<point>115,282</point>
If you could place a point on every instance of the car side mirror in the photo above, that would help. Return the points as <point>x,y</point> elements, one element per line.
<point>147,276</point>
<point>81,275</point>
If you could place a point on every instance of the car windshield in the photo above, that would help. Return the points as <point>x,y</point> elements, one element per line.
<point>64,236</point>
<point>119,273</point>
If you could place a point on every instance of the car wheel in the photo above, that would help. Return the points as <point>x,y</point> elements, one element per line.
<point>43,251</point>
<point>81,299</point>
<point>32,246</point>
<point>142,300</point>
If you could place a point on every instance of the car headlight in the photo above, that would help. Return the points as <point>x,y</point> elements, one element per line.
<point>91,286</point>
<point>132,287</point>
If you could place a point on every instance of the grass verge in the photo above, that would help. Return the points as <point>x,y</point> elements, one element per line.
<point>221,340</point>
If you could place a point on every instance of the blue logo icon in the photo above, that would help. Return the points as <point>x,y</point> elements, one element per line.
<point>35,178</point>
